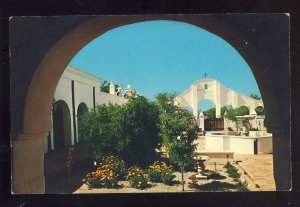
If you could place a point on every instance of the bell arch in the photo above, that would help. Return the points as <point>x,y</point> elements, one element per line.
<point>210,89</point>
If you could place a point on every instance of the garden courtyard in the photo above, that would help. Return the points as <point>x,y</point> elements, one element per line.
<point>258,178</point>
<point>150,146</point>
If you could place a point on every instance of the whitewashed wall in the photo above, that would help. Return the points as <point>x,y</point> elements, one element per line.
<point>84,84</point>
<point>239,144</point>
<point>215,92</point>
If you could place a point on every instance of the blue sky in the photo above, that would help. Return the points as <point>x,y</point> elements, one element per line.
<point>157,56</point>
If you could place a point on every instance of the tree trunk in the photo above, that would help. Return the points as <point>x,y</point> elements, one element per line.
<point>182,181</point>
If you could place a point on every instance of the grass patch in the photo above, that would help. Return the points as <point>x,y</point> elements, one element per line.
<point>232,171</point>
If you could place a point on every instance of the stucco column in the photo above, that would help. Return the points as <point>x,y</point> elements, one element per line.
<point>194,100</point>
<point>28,164</point>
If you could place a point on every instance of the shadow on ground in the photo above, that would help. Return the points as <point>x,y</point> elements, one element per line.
<point>57,178</point>
<point>213,186</point>
<point>216,176</point>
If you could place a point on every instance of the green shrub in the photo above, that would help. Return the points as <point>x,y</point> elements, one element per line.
<point>137,178</point>
<point>154,175</point>
<point>94,182</point>
<point>232,171</point>
<point>167,178</point>
<point>129,131</point>
<point>227,165</point>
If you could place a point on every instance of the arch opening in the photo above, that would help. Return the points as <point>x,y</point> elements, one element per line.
<point>208,107</point>
<point>33,124</point>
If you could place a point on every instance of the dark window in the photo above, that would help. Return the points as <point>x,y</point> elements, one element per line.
<point>206,86</point>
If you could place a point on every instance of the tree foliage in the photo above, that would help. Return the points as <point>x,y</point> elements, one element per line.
<point>232,113</point>
<point>177,129</point>
<point>128,131</point>
<point>165,102</point>
<point>211,113</point>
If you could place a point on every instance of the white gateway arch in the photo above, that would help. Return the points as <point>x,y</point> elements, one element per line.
<point>216,92</point>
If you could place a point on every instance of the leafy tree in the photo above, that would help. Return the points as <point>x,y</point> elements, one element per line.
<point>129,131</point>
<point>255,96</point>
<point>178,131</point>
<point>232,113</point>
<point>210,113</point>
<point>140,127</point>
<point>165,101</point>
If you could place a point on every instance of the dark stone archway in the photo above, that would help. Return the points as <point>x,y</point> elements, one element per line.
<point>38,61</point>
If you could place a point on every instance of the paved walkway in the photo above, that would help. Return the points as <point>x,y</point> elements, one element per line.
<point>257,170</point>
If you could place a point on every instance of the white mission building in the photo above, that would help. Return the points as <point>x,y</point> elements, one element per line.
<point>213,90</point>
<point>75,93</point>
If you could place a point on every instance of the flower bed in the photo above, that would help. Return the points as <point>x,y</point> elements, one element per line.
<point>137,178</point>
<point>104,176</point>
<point>161,172</point>
<point>117,165</point>
<point>112,169</point>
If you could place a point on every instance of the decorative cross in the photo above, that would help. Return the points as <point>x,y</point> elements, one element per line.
<point>205,75</point>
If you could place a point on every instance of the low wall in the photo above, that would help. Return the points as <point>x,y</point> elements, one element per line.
<point>239,144</point>
<point>242,145</point>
